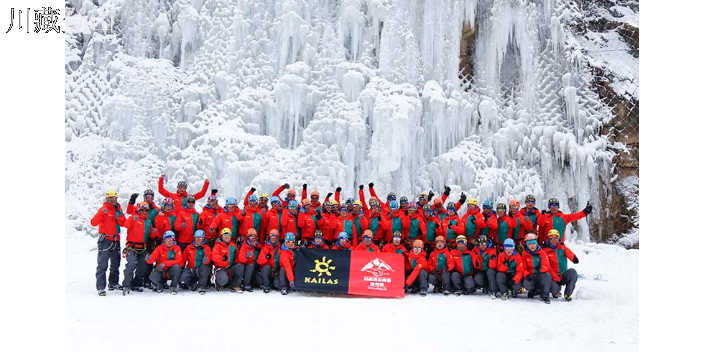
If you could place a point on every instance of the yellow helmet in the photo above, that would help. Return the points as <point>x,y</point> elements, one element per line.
<point>461,238</point>
<point>226,231</point>
<point>357,202</point>
<point>334,202</point>
<point>264,195</point>
<point>110,193</point>
<point>553,232</point>
<point>473,201</point>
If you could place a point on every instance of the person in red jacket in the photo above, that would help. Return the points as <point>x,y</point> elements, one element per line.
<point>396,245</point>
<point>244,267</point>
<point>506,223</point>
<point>452,225</point>
<point>206,219</point>
<point>307,222</point>
<point>195,261</point>
<point>318,242</point>
<point>223,257</point>
<point>377,224</point>
<point>510,270</point>
<point>314,197</point>
<point>486,266</point>
<point>108,218</point>
<point>465,260</point>
<point>268,260</point>
<point>166,219</point>
<point>367,244</point>
<point>290,194</point>
<point>558,254</point>
<point>231,218</point>
<point>492,225</point>
<point>168,263</point>
<point>439,209</point>
<point>433,228</point>
<point>538,275</point>
<point>186,223</point>
<point>396,220</point>
<point>139,229</point>
<point>272,220</point>
<point>286,258</point>
<point>440,264</point>
<point>252,218</point>
<point>417,274</point>
<point>416,223</point>
<point>329,224</point>
<point>473,220</point>
<point>262,204</point>
<point>390,197</point>
<point>523,224</point>
<point>555,219</point>
<point>532,213</point>
<point>342,242</point>
<point>181,195</point>
<point>352,226</point>
<point>153,210</point>
<point>289,221</point>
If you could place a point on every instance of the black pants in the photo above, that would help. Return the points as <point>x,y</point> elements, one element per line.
<point>569,279</point>
<point>243,274</point>
<point>108,252</point>
<point>136,269</point>
<point>444,276</point>
<point>505,282</point>
<point>540,282</point>
<point>198,276</point>
<point>173,273</point>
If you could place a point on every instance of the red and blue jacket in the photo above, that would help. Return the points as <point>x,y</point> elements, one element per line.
<point>336,245</point>
<point>273,262</point>
<point>224,254</point>
<point>523,225</point>
<point>471,230</point>
<point>253,219</point>
<point>288,261</point>
<point>432,228</point>
<point>248,253</point>
<point>193,257</point>
<point>492,226</point>
<point>169,256</point>
<point>109,219</point>
<point>207,220</point>
<point>378,225</point>
<point>486,259</point>
<point>558,257</point>
<point>307,224</point>
<point>329,226</point>
<point>139,229</point>
<point>163,222</point>
<point>228,220</point>
<point>537,262</point>
<point>354,227</point>
<point>452,227</point>
<point>557,221</point>
<point>505,227</point>
<point>416,226</point>
<point>415,263</point>
<point>152,213</point>
<point>440,259</point>
<point>464,261</point>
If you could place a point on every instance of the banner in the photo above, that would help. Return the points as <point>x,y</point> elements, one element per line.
<point>350,272</point>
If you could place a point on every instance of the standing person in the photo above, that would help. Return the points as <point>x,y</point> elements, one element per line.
<point>452,225</point>
<point>290,194</point>
<point>473,220</point>
<point>223,257</point>
<point>268,260</point>
<point>342,242</point>
<point>377,224</point>
<point>166,219</point>
<point>505,225</point>
<point>108,218</point>
<point>230,218</point>
<point>329,223</point>
<point>486,266</point>
<point>538,275</point>
<point>439,209</point>
<point>396,221</point>
<point>244,267</point>
<point>307,222</point>
<point>318,242</point>
<point>139,228</point>
<point>490,220</point>
<point>558,254</point>
<point>262,203</point>
<point>149,199</point>
<point>463,276</point>
<point>367,244</point>
<point>390,197</point>
<point>352,226</point>
<point>314,198</point>
<point>181,195</point>
<point>510,270</point>
<point>252,218</point>
<point>440,264</point>
<point>533,214</point>
<point>417,276</point>
<point>195,261</point>
<point>416,223</point>
<point>432,227</point>
<point>290,220</point>
<point>186,223</point>
<point>168,263</point>
<point>208,215</point>
<point>395,246</point>
<point>273,219</point>
<point>555,219</point>
<point>286,257</point>
<point>523,224</point>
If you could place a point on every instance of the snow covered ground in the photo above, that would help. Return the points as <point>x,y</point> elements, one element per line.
<point>603,316</point>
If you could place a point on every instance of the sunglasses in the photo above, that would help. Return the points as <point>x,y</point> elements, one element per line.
<point>553,205</point>
<point>417,247</point>
<point>149,196</point>
<point>530,201</point>
<point>190,202</point>
<point>343,239</point>
<point>144,209</point>
<point>450,209</point>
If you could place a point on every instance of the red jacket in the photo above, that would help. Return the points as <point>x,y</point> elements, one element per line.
<point>273,262</point>
<point>251,217</point>
<point>261,209</point>
<point>391,248</point>
<point>465,262</point>
<point>168,256</point>
<point>314,204</point>
<point>524,224</point>
<point>193,257</point>
<point>416,226</point>
<point>180,198</point>
<point>246,253</point>
<point>512,265</point>
<point>336,245</point>
<point>223,250</point>
<point>534,215</point>
<point>354,227</point>
<point>378,224</point>
<point>558,221</point>
<point>109,219</point>
<point>286,259</point>
<point>415,263</point>
<point>471,229</point>
<point>322,246</point>
<point>206,221</point>
<point>396,222</point>
<point>384,205</point>
<point>307,224</point>
<point>228,220</point>
<point>289,223</point>
<point>440,259</point>
<point>558,257</point>
<point>329,226</point>
<point>537,262</point>
<point>492,225</point>
<point>485,260</point>
<point>363,247</point>
<point>189,216</point>
<point>433,228</point>
<point>273,219</point>
<point>139,229</point>
<point>505,227</point>
<point>163,222</point>
<point>451,231</point>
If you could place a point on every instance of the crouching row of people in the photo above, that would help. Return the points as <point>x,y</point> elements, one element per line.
<point>540,270</point>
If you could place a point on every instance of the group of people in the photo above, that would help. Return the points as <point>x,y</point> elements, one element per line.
<point>503,251</point>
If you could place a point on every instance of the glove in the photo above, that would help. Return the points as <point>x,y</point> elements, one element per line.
<point>211,229</point>
<point>430,195</point>
<point>286,186</point>
<point>543,212</point>
<point>305,243</point>
<point>447,191</point>
<point>473,220</point>
<point>338,189</point>
<point>252,189</point>
<point>213,191</point>
<point>183,224</point>
<point>317,211</point>
<point>133,198</point>
<point>105,211</point>
<point>588,209</point>
<point>329,195</point>
<point>371,184</point>
<point>463,198</point>
<point>510,213</point>
<point>525,219</point>
<point>149,256</point>
<point>238,242</point>
<point>291,285</point>
<point>305,186</point>
<point>361,187</point>
<point>318,217</point>
<point>244,211</point>
<point>576,260</point>
<point>249,255</point>
<point>224,257</point>
<point>268,256</point>
<point>159,267</point>
<point>205,258</point>
<point>506,262</point>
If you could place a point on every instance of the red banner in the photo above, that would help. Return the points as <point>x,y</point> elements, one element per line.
<point>376,274</point>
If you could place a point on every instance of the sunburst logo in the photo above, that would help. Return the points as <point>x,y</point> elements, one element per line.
<point>323,267</point>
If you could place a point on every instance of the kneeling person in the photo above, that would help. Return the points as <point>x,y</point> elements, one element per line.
<point>558,254</point>
<point>440,266</point>
<point>417,278</point>
<point>168,263</point>
<point>244,269</point>
<point>510,270</point>
<point>196,263</point>
<point>463,276</point>
<point>223,256</point>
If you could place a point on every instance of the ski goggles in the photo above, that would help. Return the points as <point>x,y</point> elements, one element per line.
<point>191,201</point>
<point>417,247</point>
<point>530,201</point>
<point>556,205</point>
<point>487,207</point>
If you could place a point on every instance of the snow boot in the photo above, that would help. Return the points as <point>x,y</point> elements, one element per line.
<point>284,291</point>
<point>248,288</point>
<point>423,292</point>
<point>236,289</point>
<point>557,294</point>
<point>125,291</point>
<point>546,300</point>
<point>138,289</point>
<point>266,289</point>
<point>193,287</point>
<point>201,290</point>
<point>472,291</point>
<point>493,295</point>
<point>114,287</point>
<point>514,294</point>
<point>458,293</point>
<point>218,288</point>
<point>504,296</point>
<point>101,293</point>
<point>531,294</point>
<point>485,290</point>
<point>568,298</point>
<point>446,292</point>
<point>173,291</point>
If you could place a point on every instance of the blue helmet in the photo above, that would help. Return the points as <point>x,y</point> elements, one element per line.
<point>170,234</point>
<point>342,235</point>
<point>508,243</point>
<point>231,200</point>
<point>275,200</point>
<point>199,234</point>
<point>293,204</point>
<point>349,201</point>
<point>393,205</point>
<point>253,198</point>
<point>290,236</point>
<point>488,204</point>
